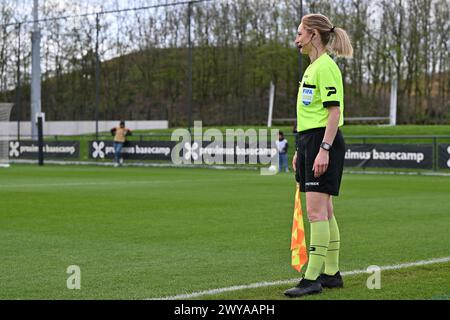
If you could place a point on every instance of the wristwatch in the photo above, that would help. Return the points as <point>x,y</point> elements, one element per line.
<point>325,146</point>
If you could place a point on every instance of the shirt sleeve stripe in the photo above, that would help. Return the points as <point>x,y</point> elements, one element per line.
<point>327,104</point>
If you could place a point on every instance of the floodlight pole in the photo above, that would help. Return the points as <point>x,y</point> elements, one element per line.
<point>18,90</point>
<point>300,56</point>
<point>35,71</point>
<point>189,67</point>
<point>97,76</point>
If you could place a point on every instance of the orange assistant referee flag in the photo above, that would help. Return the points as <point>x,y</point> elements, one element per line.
<point>298,244</point>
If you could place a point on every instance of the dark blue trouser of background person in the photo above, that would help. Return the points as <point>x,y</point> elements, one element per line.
<point>283,162</point>
<point>117,151</point>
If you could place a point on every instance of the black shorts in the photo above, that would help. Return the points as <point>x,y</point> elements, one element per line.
<point>308,146</point>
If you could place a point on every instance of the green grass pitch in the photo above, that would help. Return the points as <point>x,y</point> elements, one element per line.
<point>140,233</point>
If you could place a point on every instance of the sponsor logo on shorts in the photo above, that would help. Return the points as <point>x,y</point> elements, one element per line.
<point>312,184</point>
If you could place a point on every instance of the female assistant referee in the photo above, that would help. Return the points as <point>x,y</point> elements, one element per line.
<point>319,159</point>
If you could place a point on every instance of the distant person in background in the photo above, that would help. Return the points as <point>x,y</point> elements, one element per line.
<point>282,146</point>
<point>120,134</point>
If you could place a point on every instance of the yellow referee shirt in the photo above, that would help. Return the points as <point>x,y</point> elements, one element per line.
<point>321,87</point>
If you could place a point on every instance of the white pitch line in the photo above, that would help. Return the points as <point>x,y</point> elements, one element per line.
<point>74,184</point>
<point>282,282</point>
<point>401,173</point>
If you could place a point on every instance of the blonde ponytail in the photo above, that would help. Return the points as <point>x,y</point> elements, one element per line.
<point>340,43</point>
<point>334,39</point>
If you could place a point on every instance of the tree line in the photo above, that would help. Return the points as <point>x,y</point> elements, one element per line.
<point>239,47</point>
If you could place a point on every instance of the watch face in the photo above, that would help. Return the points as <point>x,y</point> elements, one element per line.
<point>325,146</point>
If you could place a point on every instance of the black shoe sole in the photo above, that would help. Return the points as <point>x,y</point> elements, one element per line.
<point>306,294</point>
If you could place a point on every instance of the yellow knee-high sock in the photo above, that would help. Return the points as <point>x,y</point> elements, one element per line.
<point>320,237</point>
<point>332,257</point>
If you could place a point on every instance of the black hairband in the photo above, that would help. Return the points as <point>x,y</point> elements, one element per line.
<point>332,29</point>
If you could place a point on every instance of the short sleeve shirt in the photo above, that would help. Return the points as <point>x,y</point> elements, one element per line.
<point>282,146</point>
<point>321,87</point>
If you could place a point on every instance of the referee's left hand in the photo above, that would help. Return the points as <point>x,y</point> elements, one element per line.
<point>321,163</point>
